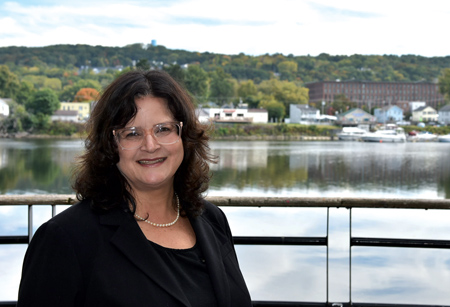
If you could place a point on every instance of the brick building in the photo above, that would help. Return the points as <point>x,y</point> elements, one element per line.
<point>376,94</point>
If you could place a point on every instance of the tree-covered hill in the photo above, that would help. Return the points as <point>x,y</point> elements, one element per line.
<point>59,58</point>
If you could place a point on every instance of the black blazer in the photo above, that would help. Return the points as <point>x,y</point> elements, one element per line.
<point>80,258</point>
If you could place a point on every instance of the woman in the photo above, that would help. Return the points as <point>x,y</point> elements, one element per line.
<point>141,234</point>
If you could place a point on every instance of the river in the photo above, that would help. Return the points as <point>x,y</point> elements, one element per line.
<point>289,168</point>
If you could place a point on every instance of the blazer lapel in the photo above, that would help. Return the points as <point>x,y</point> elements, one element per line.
<point>130,240</point>
<point>211,249</point>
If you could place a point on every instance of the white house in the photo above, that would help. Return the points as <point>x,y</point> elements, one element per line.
<point>224,115</point>
<point>4,108</point>
<point>425,114</point>
<point>444,115</point>
<point>414,105</point>
<point>303,113</point>
<point>66,116</point>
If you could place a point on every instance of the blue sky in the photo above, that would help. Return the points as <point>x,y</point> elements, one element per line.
<point>253,27</point>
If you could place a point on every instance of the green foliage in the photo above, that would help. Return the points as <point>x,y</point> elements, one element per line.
<point>43,103</point>
<point>221,88</point>
<point>444,84</point>
<point>18,120</point>
<point>176,72</point>
<point>70,91</point>
<point>9,83</point>
<point>275,108</point>
<point>65,128</point>
<point>271,130</point>
<point>25,93</point>
<point>143,64</point>
<point>196,81</point>
<point>285,92</point>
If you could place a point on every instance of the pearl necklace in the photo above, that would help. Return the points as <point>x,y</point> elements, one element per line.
<point>162,225</point>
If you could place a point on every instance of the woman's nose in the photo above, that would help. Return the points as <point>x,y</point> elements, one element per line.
<point>150,143</point>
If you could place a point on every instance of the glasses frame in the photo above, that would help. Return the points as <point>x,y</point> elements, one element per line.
<point>116,133</point>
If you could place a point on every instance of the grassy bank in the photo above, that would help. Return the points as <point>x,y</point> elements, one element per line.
<point>272,131</point>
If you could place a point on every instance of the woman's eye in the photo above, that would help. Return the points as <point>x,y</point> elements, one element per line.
<point>131,134</point>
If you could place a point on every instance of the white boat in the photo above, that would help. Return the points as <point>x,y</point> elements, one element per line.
<point>396,135</point>
<point>351,134</point>
<point>423,136</point>
<point>444,138</point>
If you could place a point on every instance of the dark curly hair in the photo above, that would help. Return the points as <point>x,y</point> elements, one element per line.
<point>96,175</point>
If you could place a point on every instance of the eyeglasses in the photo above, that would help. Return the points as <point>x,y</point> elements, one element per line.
<point>164,134</point>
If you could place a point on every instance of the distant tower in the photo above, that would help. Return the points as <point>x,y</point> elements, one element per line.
<point>154,42</point>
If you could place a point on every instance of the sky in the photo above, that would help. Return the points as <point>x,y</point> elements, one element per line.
<point>252,27</point>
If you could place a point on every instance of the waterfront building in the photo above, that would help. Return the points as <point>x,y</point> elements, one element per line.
<point>4,108</point>
<point>66,116</point>
<point>231,115</point>
<point>388,114</point>
<point>356,117</point>
<point>303,113</point>
<point>83,109</point>
<point>444,115</point>
<point>424,114</point>
<point>375,94</point>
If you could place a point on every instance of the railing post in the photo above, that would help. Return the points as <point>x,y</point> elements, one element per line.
<point>30,222</point>
<point>350,258</point>
<point>328,249</point>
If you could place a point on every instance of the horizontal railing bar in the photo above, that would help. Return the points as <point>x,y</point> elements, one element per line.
<point>290,304</point>
<point>386,242</point>
<point>14,239</point>
<point>280,240</point>
<point>47,199</point>
<point>395,305</point>
<point>396,203</point>
<point>301,304</point>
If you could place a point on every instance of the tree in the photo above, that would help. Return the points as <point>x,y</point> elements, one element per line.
<point>196,81</point>
<point>285,92</point>
<point>9,83</point>
<point>287,70</point>
<point>341,104</point>
<point>275,108</point>
<point>43,102</point>
<point>143,64</point>
<point>444,83</point>
<point>222,86</point>
<point>69,92</point>
<point>176,72</point>
<point>86,94</point>
<point>25,92</point>
<point>246,89</point>
<point>18,120</point>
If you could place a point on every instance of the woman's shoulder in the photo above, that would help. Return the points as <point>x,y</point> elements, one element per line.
<point>213,213</point>
<point>80,211</point>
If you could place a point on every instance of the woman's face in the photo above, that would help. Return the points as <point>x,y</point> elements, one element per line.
<point>152,166</point>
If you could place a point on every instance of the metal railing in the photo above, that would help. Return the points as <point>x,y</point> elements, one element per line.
<point>293,202</point>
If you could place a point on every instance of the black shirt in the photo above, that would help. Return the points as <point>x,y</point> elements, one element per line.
<point>189,267</point>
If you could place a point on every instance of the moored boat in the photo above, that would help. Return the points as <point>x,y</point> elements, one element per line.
<point>351,134</point>
<point>423,136</point>
<point>396,135</point>
<point>444,138</point>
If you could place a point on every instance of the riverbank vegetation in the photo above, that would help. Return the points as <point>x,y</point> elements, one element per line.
<point>36,79</point>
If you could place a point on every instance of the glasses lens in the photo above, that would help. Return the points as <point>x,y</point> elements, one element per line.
<point>131,138</point>
<point>168,133</point>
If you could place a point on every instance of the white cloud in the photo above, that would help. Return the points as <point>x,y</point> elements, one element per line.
<point>230,27</point>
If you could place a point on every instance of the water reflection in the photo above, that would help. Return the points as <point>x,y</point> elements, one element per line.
<point>36,166</point>
<point>333,169</point>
